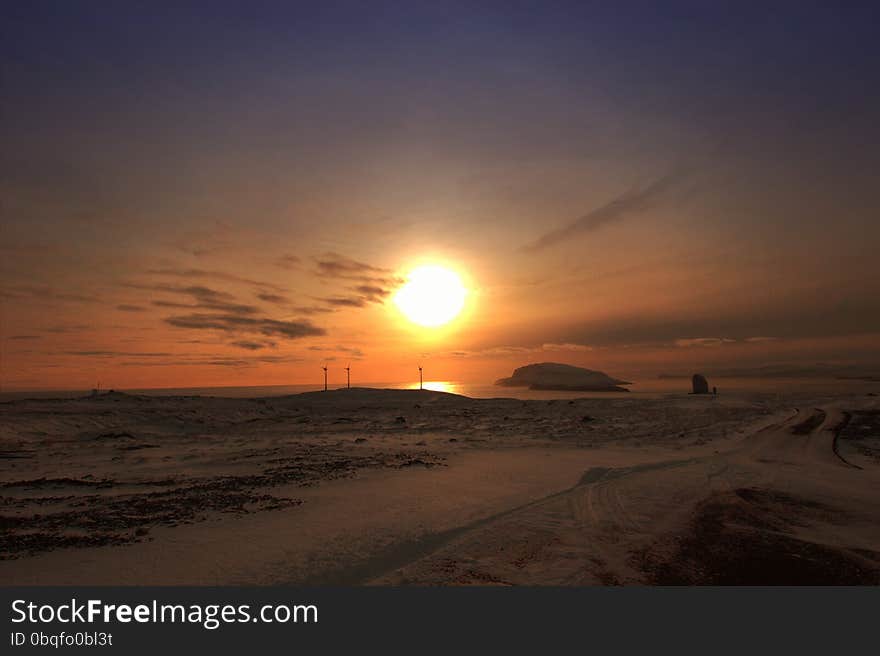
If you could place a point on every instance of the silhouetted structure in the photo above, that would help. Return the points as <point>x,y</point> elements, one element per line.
<point>700,384</point>
<point>420,378</point>
<point>325,377</point>
<point>348,377</point>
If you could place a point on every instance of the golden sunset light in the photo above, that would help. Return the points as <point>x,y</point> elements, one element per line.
<point>514,294</point>
<point>432,296</point>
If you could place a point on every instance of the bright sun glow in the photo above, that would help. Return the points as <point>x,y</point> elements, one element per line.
<point>432,296</point>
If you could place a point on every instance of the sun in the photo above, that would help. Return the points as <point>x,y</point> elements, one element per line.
<point>432,296</point>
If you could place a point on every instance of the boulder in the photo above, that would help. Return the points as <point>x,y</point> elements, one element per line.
<point>700,384</point>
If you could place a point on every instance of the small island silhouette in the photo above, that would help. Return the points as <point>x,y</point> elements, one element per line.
<point>562,377</point>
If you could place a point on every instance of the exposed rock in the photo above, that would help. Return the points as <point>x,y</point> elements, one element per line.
<point>555,376</point>
<point>700,384</point>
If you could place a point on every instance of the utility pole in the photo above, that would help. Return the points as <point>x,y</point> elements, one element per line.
<point>348,377</point>
<point>325,377</point>
<point>420,378</point>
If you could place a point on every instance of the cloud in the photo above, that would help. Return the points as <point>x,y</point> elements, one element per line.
<point>312,309</point>
<point>212,274</point>
<point>493,352</point>
<point>288,262</point>
<point>703,341</point>
<point>45,293</point>
<point>253,346</point>
<point>376,283</point>
<point>70,328</point>
<point>238,324</point>
<point>233,308</point>
<point>205,298</point>
<point>24,337</point>
<point>199,292</point>
<point>118,354</point>
<point>130,308</point>
<point>207,241</point>
<point>333,265</point>
<point>622,207</point>
<point>212,361</point>
<point>566,347</point>
<point>344,301</point>
<point>757,340</point>
<point>354,353</point>
<point>372,293</point>
<point>273,298</point>
<point>508,351</point>
<point>366,294</point>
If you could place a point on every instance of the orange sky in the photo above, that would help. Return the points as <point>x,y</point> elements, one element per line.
<point>229,306</point>
<point>241,212</point>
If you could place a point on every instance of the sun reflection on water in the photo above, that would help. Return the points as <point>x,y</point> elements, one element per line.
<point>437,386</point>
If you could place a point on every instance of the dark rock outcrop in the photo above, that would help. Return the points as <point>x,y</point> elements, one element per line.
<point>700,384</point>
<point>564,377</point>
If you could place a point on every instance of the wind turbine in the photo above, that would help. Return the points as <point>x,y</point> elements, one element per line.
<point>348,376</point>
<point>420,377</point>
<point>325,377</point>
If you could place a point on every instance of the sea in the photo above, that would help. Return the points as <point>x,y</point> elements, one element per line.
<point>646,388</point>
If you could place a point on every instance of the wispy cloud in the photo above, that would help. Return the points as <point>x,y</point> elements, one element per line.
<point>234,308</point>
<point>45,293</point>
<point>124,307</point>
<point>311,309</point>
<point>199,292</point>
<point>65,329</point>
<point>191,273</point>
<point>566,347</point>
<point>205,298</point>
<point>240,362</point>
<point>372,293</point>
<point>352,352</point>
<point>238,324</point>
<point>703,341</point>
<point>288,261</point>
<point>365,294</point>
<point>118,354</point>
<point>374,284</point>
<point>492,352</point>
<point>277,299</point>
<point>334,265</point>
<point>207,241</point>
<point>508,351</point>
<point>344,301</point>
<point>720,341</point>
<point>252,346</point>
<point>618,209</point>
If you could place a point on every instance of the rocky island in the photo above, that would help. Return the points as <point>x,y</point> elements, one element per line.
<point>562,377</point>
